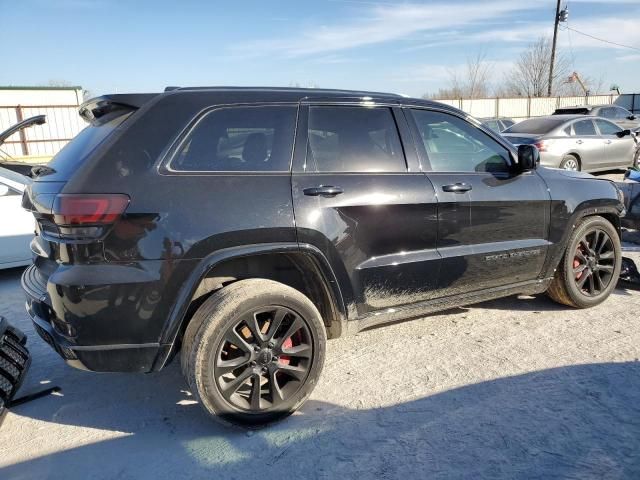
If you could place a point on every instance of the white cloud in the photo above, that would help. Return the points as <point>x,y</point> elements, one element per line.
<point>383,23</point>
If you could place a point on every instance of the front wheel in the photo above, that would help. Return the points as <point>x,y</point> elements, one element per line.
<point>253,352</point>
<point>590,267</point>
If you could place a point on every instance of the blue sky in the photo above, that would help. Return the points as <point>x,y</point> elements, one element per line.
<point>406,47</point>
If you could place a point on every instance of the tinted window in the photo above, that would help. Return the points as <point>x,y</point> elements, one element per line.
<point>621,113</point>
<point>584,127</point>
<point>607,112</point>
<point>353,139</point>
<point>607,128</point>
<point>453,145</point>
<point>74,153</point>
<point>507,123</point>
<point>493,125</point>
<point>537,126</point>
<point>239,139</point>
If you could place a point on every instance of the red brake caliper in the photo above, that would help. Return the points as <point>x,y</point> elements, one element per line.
<point>285,359</point>
<point>576,263</point>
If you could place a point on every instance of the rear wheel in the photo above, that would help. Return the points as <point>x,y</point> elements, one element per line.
<point>570,162</point>
<point>253,352</point>
<point>590,267</point>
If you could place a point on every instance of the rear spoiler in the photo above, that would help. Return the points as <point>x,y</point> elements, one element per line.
<point>95,109</point>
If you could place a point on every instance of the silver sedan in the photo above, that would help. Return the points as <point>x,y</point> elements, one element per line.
<point>574,142</point>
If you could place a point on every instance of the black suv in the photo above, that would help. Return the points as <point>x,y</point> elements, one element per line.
<point>242,227</point>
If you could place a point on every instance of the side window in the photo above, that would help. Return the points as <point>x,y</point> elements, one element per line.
<point>568,131</point>
<point>621,113</point>
<point>607,128</point>
<point>584,128</point>
<point>237,139</point>
<point>607,112</point>
<point>493,125</point>
<point>507,123</point>
<point>353,139</point>
<point>453,145</point>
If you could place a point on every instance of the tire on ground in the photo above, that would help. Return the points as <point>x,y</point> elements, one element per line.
<point>210,322</point>
<point>14,360</point>
<point>568,158</point>
<point>563,288</point>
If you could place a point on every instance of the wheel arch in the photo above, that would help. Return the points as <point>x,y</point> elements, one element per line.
<point>302,267</point>
<point>604,209</point>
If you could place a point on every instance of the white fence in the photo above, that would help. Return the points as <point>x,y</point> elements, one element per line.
<point>60,105</point>
<point>527,107</point>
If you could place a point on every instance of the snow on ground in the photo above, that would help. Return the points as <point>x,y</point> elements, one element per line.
<point>513,388</point>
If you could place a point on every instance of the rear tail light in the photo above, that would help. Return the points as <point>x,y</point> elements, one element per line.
<point>91,209</point>
<point>543,145</point>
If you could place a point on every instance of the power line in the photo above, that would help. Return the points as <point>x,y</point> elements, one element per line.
<point>603,40</point>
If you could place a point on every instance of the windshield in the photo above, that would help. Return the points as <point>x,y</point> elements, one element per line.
<point>536,126</point>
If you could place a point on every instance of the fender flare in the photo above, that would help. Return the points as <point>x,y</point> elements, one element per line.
<point>183,299</point>
<point>578,214</point>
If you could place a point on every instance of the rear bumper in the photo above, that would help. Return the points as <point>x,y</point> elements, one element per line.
<point>72,335</point>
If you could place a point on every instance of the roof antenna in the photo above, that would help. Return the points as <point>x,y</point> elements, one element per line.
<point>170,88</point>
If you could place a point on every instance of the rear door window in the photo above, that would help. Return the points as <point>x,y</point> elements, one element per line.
<point>584,128</point>
<point>353,139</point>
<point>239,139</point>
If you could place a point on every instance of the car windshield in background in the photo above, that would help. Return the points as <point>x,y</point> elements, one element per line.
<point>536,125</point>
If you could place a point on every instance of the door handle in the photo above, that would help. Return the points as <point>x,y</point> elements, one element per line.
<point>323,191</point>
<point>578,141</point>
<point>607,141</point>
<point>457,187</point>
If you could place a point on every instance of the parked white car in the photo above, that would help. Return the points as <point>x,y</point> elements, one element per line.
<point>17,226</point>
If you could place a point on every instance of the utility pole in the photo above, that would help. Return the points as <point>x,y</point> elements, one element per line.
<point>553,47</point>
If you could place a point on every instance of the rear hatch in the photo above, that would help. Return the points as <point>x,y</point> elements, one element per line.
<point>69,227</point>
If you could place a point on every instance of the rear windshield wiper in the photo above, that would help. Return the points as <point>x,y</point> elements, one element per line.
<point>41,171</point>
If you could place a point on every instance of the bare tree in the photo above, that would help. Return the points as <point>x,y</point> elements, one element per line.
<point>530,75</point>
<point>470,81</point>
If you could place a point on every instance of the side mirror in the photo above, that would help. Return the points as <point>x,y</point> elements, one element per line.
<point>4,190</point>
<point>623,133</point>
<point>528,158</point>
<point>631,117</point>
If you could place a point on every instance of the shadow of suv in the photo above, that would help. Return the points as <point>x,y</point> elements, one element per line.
<point>242,227</point>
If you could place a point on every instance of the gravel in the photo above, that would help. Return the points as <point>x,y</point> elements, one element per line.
<point>514,388</point>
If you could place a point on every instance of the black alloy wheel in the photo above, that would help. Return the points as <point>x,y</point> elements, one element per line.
<point>263,359</point>
<point>594,262</point>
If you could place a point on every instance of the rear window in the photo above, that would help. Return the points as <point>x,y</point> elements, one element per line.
<point>571,111</point>
<point>538,126</point>
<point>69,159</point>
<point>237,139</point>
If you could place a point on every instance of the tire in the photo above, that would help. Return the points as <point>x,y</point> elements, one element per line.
<point>565,287</point>
<point>284,375</point>
<point>14,362</point>
<point>569,161</point>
